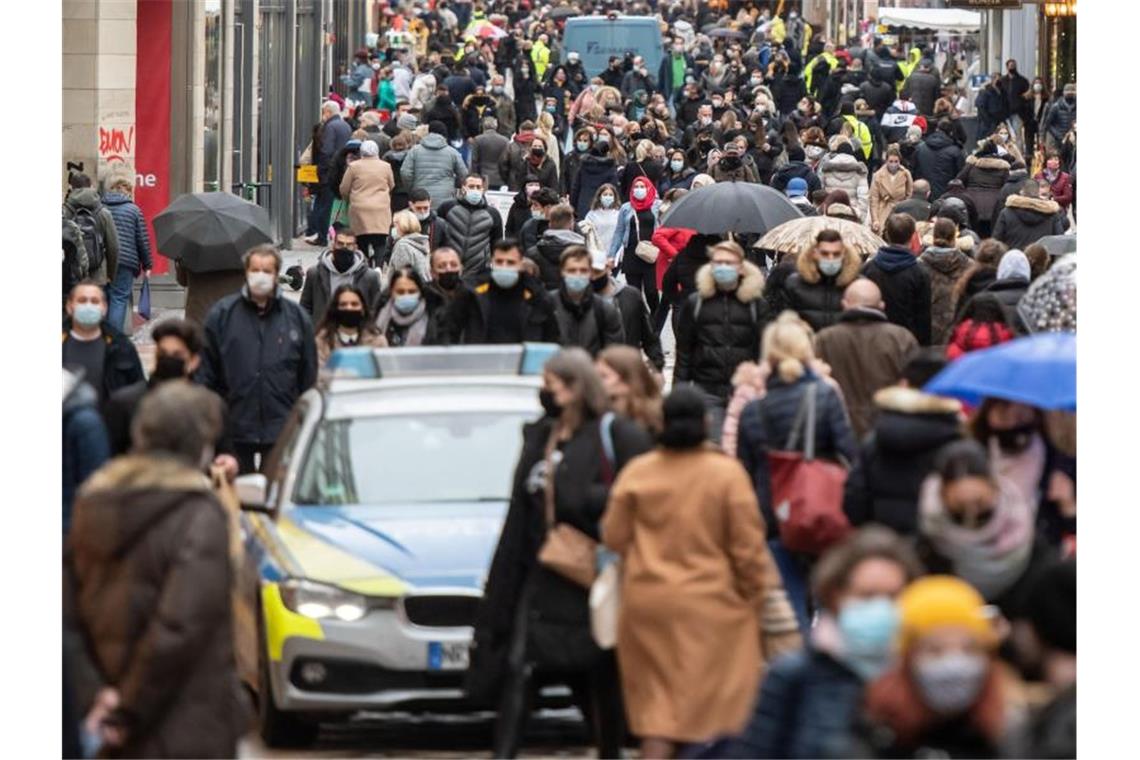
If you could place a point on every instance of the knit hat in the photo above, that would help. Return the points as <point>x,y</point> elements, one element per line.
<point>797,186</point>
<point>1052,605</point>
<point>408,122</point>
<point>941,601</point>
<point>1013,265</point>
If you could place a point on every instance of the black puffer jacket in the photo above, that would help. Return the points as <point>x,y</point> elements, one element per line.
<point>765,424</point>
<point>984,178</point>
<point>593,172</point>
<point>897,455</point>
<point>1024,221</point>
<point>636,324</point>
<point>717,330</point>
<point>258,363</point>
<point>938,159</point>
<point>470,230</point>
<point>547,252</point>
<point>557,610</point>
<point>905,285</point>
<point>816,298</point>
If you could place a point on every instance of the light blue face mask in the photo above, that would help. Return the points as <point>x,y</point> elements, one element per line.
<point>87,314</point>
<point>406,304</point>
<point>505,278</point>
<point>676,164</point>
<point>725,275</point>
<point>607,200</point>
<point>583,147</point>
<point>576,283</point>
<point>537,214</point>
<point>830,267</point>
<point>868,627</point>
<point>474,196</point>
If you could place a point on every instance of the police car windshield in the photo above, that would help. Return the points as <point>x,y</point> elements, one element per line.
<point>407,459</point>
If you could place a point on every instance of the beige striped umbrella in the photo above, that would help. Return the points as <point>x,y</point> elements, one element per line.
<point>799,235</point>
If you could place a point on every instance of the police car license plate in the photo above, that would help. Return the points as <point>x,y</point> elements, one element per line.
<point>448,655</point>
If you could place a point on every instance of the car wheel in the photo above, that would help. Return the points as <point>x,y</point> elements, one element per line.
<point>278,729</point>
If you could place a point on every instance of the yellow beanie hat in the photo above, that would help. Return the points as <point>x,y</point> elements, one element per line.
<point>938,601</point>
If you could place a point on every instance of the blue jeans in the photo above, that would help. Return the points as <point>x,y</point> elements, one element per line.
<point>119,297</point>
<point>795,584</point>
<point>322,210</point>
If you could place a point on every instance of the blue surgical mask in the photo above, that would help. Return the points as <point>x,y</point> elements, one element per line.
<point>537,214</point>
<point>87,314</point>
<point>474,196</point>
<point>406,304</point>
<point>583,146</point>
<point>505,278</point>
<point>677,164</point>
<point>640,192</point>
<point>607,201</point>
<point>576,283</point>
<point>725,275</point>
<point>868,627</point>
<point>830,267</point>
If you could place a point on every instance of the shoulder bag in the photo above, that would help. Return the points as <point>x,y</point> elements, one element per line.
<point>645,250</point>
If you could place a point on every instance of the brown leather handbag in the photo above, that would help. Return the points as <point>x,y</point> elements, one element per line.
<point>566,550</point>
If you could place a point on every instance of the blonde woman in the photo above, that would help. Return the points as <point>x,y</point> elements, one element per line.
<point>410,247</point>
<point>766,424</point>
<point>634,391</point>
<point>545,131</point>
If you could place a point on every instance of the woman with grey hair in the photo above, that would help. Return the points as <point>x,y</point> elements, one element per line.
<point>367,185</point>
<point>533,623</point>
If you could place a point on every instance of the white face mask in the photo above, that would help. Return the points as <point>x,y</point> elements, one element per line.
<point>607,201</point>
<point>261,283</point>
<point>950,683</point>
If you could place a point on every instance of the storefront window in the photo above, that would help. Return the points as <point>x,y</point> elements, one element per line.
<point>212,87</point>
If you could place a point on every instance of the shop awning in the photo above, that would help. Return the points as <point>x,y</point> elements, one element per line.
<point>941,19</point>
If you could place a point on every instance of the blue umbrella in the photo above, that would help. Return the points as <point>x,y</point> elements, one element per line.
<point>1040,371</point>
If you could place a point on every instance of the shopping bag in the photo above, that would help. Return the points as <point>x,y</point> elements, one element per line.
<point>143,307</point>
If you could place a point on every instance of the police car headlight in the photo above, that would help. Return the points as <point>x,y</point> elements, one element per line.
<point>321,601</point>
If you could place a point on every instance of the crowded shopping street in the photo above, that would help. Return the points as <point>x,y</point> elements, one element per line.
<point>615,378</point>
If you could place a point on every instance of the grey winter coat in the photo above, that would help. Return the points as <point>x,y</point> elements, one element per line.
<point>470,230</point>
<point>88,198</point>
<point>843,172</point>
<point>593,324</point>
<point>322,280</point>
<point>486,150</point>
<point>412,251</point>
<point>130,226</point>
<point>259,364</point>
<point>436,167</point>
<point>945,265</point>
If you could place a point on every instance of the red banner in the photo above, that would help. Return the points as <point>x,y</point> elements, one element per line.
<point>152,115</point>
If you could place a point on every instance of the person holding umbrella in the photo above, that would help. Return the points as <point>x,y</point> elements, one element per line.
<point>260,356</point>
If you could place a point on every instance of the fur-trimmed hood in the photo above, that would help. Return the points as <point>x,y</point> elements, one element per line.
<point>896,398</point>
<point>750,288</point>
<point>948,261</point>
<point>128,495</point>
<point>809,272</point>
<point>1040,205</point>
<point>988,162</point>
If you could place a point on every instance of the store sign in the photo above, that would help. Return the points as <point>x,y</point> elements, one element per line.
<point>996,4</point>
<point>151,134</point>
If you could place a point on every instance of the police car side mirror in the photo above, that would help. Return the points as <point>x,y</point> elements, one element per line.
<point>251,490</point>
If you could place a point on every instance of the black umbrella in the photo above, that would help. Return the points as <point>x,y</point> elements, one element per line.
<point>1059,245</point>
<point>730,34</point>
<point>562,12</point>
<point>740,207</point>
<point>209,232</point>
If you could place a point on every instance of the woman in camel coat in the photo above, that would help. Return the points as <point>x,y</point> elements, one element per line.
<point>367,185</point>
<point>699,589</point>
<point>889,188</point>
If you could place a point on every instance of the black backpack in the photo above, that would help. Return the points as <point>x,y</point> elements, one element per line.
<point>75,263</point>
<point>92,238</point>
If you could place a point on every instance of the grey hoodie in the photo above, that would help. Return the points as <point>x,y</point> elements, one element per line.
<point>322,280</point>
<point>88,198</point>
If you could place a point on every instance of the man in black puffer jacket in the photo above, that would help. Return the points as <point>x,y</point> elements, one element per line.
<point>637,326</point>
<point>938,159</point>
<point>585,319</point>
<point>720,326</point>
<point>470,225</point>
<point>815,291</point>
<point>896,456</point>
<point>902,278</point>
<point>556,238</point>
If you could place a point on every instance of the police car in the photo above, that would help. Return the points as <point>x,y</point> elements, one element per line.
<point>368,541</point>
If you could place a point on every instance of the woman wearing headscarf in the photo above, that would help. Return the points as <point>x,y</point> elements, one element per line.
<point>696,583</point>
<point>533,621</point>
<point>367,185</point>
<point>636,223</point>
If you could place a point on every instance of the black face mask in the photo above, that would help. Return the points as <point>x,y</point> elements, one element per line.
<point>342,259</point>
<point>601,149</point>
<point>448,280</point>
<point>349,318</point>
<point>168,367</point>
<point>600,283</point>
<point>1015,440</point>
<point>546,398</point>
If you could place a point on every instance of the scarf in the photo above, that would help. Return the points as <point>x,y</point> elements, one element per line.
<point>990,558</point>
<point>417,319</point>
<point>650,195</point>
